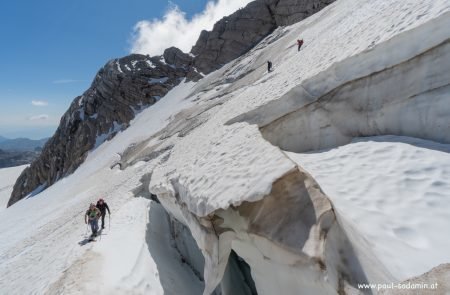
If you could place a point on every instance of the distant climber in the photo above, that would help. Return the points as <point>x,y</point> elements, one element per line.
<point>299,44</point>
<point>102,206</point>
<point>92,215</point>
<point>269,66</point>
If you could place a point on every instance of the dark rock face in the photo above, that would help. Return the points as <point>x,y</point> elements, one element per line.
<point>120,89</point>
<point>288,12</point>
<point>232,36</point>
<point>236,34</point>
<point>177,58</point>
<point>126,85</point>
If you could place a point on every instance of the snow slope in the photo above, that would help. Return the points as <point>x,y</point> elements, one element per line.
<point>334,25</point>
<point>190,150</point>
<point>8,177</point>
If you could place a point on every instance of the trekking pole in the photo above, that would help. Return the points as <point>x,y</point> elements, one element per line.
<point>87,226</point>
<point>109,223</point>
<point>100,235</point>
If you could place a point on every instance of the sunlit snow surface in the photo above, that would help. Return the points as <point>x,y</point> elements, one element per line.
<point>395,191</point>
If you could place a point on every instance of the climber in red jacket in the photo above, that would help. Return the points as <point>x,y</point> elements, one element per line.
<point>299,43</point>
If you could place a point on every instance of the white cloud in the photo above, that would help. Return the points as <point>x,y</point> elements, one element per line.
<point>39,103</point>
<point>41,117</point>
<point>66,81</point>
<point>174,29</point>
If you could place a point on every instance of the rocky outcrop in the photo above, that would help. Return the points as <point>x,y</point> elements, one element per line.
<point>288,12</point>
<point>178,58</point>
<point>234,35</point>
<point>120,89</point>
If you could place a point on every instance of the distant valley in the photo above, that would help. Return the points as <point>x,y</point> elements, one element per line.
<point>19,151</point>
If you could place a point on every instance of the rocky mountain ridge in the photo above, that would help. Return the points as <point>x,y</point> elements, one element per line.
<point>120,89</point>
<point>127,85</point>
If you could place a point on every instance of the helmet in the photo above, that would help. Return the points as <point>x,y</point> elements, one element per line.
<point>100,200</point>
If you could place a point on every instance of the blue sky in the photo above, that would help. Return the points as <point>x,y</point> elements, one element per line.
<point>51,50</point>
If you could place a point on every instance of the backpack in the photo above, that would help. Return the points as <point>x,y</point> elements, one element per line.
<point>92,213</point>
